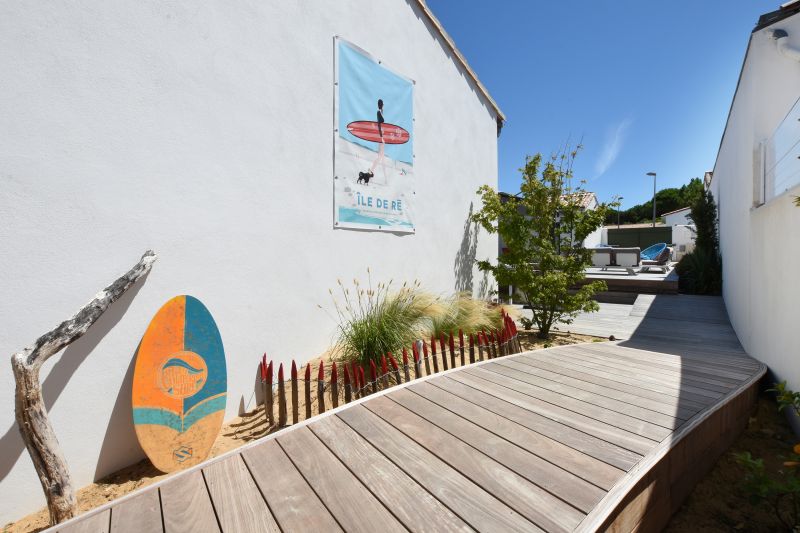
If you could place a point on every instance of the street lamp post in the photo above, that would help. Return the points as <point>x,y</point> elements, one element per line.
<point>654,196</point>
<point>619,206</point>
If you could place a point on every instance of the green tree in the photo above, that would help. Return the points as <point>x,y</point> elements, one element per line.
<point>669,199</point>
<point>700,272</point>
<point>543,228</point>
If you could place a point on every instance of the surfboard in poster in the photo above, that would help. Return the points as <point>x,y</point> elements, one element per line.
<point>374,140</point>
<point>179,385</point>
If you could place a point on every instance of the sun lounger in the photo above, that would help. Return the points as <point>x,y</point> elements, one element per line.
<point>661,262</point>
<point>616,258</point>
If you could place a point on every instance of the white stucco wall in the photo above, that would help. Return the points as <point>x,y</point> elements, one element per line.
<point>683,237</point>
<point>203,131</point>
<point>761,246</point>
<point>594,239</point>
<point>679,217</point>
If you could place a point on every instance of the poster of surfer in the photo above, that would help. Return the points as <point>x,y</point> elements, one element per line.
<point>374,139</point>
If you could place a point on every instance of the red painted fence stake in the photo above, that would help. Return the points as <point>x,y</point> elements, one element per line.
<point>281,397</point>
<point>321,387</point>
<point>334,386</point>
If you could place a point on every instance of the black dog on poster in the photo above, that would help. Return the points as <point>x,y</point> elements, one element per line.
<point>364,177</point>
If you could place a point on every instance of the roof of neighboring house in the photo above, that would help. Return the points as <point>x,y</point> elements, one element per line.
<point>584,198</point>
<point>460,59</point>
<point>676,211</point>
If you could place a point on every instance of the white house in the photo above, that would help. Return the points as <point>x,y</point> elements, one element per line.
<point>754,182</point>
<point>679,216</point>
<point>207,132</point>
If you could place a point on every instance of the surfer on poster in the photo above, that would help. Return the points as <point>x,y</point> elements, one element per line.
<point>382,144</point>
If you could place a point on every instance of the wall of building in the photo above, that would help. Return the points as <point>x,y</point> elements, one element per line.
<point>761,245</point>
<point>204,131</point>
<point>683,237</point>
<point>680,217</point>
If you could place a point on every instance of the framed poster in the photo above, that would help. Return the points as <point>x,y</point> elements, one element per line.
<point>373,144</point>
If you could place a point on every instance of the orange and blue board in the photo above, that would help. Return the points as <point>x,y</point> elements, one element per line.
<point>179,385</point>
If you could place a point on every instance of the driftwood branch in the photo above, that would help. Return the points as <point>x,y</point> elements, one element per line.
<point>31,414</point>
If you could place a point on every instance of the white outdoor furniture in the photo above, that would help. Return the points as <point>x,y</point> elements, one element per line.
<point>616,258</point>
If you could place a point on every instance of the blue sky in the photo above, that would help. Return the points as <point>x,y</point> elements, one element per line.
<point>646,85</point>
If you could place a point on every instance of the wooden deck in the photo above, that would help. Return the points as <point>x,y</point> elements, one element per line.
<point>594,436</point>
<point>651,282</point>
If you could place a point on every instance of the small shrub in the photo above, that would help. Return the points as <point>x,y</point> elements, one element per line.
<point>779,490</point>
<point>375,321</point>
<point>700,272</point>
<point>527,323</point>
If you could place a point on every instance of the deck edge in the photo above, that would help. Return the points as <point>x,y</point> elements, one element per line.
<point>622,507</point>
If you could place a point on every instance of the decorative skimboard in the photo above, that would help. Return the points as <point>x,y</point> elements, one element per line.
<point>179,385</point>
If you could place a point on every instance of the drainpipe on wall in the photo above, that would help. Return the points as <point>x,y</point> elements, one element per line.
<point>781,38</point>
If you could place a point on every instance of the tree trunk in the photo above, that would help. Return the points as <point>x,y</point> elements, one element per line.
<point>31,414</point>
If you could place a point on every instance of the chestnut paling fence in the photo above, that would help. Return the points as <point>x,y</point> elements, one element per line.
<point>346,382</point>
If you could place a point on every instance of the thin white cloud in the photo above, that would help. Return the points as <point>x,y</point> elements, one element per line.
<point>615,139</point>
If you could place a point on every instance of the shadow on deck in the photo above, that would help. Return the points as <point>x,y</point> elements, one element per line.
<point>608,435</point>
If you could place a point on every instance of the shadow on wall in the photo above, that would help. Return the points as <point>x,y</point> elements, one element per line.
<point>11,444</point>
<point>465,257</point>
<point>120,445</point>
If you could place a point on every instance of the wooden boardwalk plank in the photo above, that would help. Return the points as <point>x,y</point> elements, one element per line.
<point>520,382</point>
<point>415,507</point>
<point>236,498</point>
<point>584,466</point>
<point>140,513</point>
<point>565,360</point>
<point>590,426</point>
<point>480,509</point>
<point>683,408</point>
<point>634,406</point>
<point>353,506</point>
<point>555,480</point>
<point>186,505</point>
<point>706,366</point>
<point>588,444</point>
<point>96,523</point>
<point>537,505</point>
<point>295,506</point>
<point>684,380</point>
<point>675,384</point>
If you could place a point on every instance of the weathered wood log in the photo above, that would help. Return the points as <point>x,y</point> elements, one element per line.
<point>31,413</point>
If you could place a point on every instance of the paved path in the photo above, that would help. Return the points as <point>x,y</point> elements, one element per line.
<point>550,440</point>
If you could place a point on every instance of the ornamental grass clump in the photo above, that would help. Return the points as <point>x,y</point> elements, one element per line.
<point>373,321</point>
<point>467,314</point>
